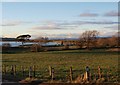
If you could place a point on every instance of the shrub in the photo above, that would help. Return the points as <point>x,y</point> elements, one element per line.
<point>6,45</point>
<point>36,48</point>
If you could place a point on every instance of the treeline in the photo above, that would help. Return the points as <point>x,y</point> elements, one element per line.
<point>8,39</point>
<point>100,43</point>
<point>90,39</point>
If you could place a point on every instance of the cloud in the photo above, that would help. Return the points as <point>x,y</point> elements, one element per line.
<point>47,26</point>
<point>88,14</point>
<point>74,23</point>
<point>111,33</point>
<point>112,13</point>
<point>14,23</point>
<point>59,35</point>
<point>114,27</point>
<point>51,25</point>
<point>68,25</point>
<point>100,22</point>
<point>6,36</point>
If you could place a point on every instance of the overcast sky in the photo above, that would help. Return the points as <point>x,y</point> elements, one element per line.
<point>58,19</point>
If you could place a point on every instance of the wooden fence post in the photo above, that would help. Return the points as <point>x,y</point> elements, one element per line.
<point>30,71</point>
<point>71,74</point>
<point>52,73</point>
<point>4,69</point>
<point>14,70</point>
<point>108,74</point>
<point>34,68</point>
<point>22,70</point>
<point>88,73</point>
<point>95,77</point>
<point>99,72</point>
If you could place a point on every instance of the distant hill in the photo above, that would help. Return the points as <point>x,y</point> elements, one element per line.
<point>63,38</point>
<point>76,38</point>
<point>14,39</point>
<point>7,39</point>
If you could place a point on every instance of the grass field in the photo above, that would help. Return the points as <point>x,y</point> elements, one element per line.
<point>62,60</point>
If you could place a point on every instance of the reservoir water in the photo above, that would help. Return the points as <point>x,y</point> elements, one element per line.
<point>16,44</point>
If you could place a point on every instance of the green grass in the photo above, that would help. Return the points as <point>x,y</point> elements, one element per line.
<point>62,60</point>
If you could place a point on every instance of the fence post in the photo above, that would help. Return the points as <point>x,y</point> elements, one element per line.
<point>90,77</point>
<point>4,69</point>
<point>99,72</point>
<point>71,74</point>
<point>14,70</point>
<point>52,73</point>
<point>22,69</point>
<point>95,77</point>
<point>108,74</point>
<point>88,73</point>
<point>30,70</point>
<point>34,70</point>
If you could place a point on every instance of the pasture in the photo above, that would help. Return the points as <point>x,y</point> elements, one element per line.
<point>63,60</point>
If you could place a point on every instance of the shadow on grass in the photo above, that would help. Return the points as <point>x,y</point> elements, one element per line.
<point>84,51</point>
<point>13,52</point>
<point>9,61</point>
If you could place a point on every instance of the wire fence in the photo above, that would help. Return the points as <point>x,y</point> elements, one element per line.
<point>56,74</point>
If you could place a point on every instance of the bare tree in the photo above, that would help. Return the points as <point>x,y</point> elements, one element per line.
<point>89,38</point>
<point>113,41</point>
<point>79,43</point>
<point>102,42</point>
<point>118,38</point>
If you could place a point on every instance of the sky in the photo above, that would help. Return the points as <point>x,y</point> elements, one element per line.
<point>60,0</point>
<point>58,19</point>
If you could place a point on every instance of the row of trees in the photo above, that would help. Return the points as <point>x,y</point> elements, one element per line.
<point>109,42</point>
<point>25,38</point>
<point>91,39</point>
<point>88,39</point>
